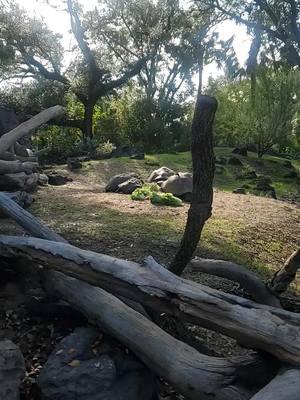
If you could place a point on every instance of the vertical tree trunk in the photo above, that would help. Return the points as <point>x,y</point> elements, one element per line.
<point>88,131</point>
<point>203,174</point>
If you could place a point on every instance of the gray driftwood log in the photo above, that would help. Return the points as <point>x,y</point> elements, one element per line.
<point>8,139</point>
<point>237,273</point>
<point>271,329</point>
<point>17,171</point>
<point>196,375</point>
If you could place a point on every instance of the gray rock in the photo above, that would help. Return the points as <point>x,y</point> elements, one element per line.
<point>12,370</point>
<point>74,163</point>
<point>179,184</point>
<point>239,191</point>
<point>235,161</point>
<point>161,174</point>
<point>138,156</point>
<point>129,186</point>
<point>43,180</point>
<point>75,372</point>
<point>115,181</point>
<point>57,179</point>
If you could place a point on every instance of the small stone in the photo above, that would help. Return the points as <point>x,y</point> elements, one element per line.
<point>239,191</point>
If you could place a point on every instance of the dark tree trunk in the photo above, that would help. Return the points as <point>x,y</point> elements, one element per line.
<point>88,131</point>
<point>203,174</point>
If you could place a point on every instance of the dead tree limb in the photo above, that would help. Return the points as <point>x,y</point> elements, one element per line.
<point>27,127</point>
<point>12,167</point>
<point>203,174</point>
<point>237,273</point>
<point>195,375</point>
<point>273,330</point>
<point>285,386</point>
<point>191,373</point>
<point>286,275</point>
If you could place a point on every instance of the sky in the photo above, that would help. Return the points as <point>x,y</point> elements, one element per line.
<point>58,21</point>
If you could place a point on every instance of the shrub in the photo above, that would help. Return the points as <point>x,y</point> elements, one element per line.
<point>166,199</point>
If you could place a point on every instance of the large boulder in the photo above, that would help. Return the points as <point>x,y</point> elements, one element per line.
<point>180,185</point>
<point>124,183</point>
<point>161,174</point>
<point>129,186</point>
<point>12,370</point>
<point>84,366</point>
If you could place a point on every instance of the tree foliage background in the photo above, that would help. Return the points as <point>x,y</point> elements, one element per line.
<point>130,77</point>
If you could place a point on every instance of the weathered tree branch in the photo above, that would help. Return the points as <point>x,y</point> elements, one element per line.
<point>285,386</point>
<point>26,128</point>
<point>234,272</point>
<point>190,372</point>
<point>12,167</point>
<point>286,275</point>
<point>266,328</point>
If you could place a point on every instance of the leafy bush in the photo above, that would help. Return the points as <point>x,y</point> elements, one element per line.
<point>166,199</point>
<point>145,192</point>
<point>105,148</point>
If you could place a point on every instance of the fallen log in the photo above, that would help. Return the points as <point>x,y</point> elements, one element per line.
<point>237,273</point>
<point>195,375</point>
<point>12,167</point>
<point>285,386</point>
<point>191,373</point>
<point>8,139</point>
<point>273,330</point>
<point>23,199</point>
<point>19,181</point>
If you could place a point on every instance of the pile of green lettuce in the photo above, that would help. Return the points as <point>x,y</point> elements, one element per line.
<point>151,191</point>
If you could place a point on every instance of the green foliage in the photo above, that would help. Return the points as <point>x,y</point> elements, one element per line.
<point>60,142</point>
<point>165,199</point>
<point>274,108</point>
<point>145,192</point>
<point>232,117</point>
<point>271,119</point>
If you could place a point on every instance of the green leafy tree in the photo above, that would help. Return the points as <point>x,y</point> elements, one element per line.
<point>274,109</point>
<point>35,51</point>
